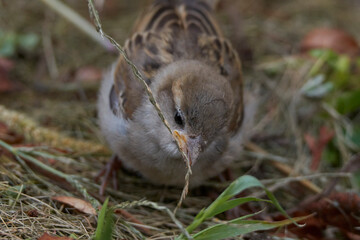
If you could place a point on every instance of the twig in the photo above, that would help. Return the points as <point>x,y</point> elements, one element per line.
<point>95,16</point>
<point>49,52</point>
<point>78,21</point>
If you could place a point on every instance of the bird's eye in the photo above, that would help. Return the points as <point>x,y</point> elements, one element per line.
<point>178,118</point>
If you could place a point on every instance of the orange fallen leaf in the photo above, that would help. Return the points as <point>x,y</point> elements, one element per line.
<point>46,236</point>
<point>79,204</point>
<point>329,38</point>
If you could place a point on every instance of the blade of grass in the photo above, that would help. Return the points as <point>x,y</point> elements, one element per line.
<point>78,21</point>
<point>222,203</point>
<point>239,226</point>
<point>105,224</point>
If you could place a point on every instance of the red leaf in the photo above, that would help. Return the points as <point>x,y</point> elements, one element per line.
<point>6,84</point>
<point>317,146</point>
<point>338,210</point>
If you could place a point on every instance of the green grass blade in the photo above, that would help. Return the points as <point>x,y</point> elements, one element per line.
<point>105,223</point>
<point>239,226</point>
<point>236,187</point>
<point>239,185</point>
<point>234,203</point>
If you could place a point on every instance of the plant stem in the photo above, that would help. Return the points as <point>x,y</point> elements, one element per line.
<point>79,22</point>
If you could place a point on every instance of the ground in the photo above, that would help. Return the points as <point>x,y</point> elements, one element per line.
<point>50,92</point>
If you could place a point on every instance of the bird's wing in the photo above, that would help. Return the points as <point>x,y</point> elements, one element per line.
<point>167,31</point>
<point>219,53</point>
<point>149,51</point>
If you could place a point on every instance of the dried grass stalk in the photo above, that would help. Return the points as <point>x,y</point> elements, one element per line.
<point>94,14</point>
<point>35,133</point>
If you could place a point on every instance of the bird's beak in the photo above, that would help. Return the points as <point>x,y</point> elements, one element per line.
<point>190,145</point>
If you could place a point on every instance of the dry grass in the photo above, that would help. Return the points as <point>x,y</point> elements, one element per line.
<point>273,32</point>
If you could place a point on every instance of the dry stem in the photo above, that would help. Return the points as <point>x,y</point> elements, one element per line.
<point>95,16</point>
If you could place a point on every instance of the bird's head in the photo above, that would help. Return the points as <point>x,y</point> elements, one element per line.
<point>197,102</point>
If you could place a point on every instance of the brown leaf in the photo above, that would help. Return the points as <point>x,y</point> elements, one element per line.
<point>32,213</point>
<point>77,203</point>
<point>329,38</point>
<point>46,236</point>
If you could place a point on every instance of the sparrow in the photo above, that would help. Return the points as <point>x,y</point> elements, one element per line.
<point>196,78</point>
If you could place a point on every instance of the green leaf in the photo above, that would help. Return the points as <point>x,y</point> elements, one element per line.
<point>355,178</point>
<point>316,87</point>
<point>332,155</point>
<point>105,224</point>
<point>354,136</point>
<point>236,187</point>
<point>239,226</point>
<point>13,191</point>
<point>324,57</point>
<point>341,71</point>
<point>7,45</point>
<point>348,102</point>
<point>29,41</point>
<point>222,203</point>
<point>239,185</point>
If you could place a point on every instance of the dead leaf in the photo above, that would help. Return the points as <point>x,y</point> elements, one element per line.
<point>8,135</point>
<point>340,209</point>
<point>329,38</point>
<point>32,213</point>
<point>317,146</point>
<point>77,203</point>
<point>46,236</point>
